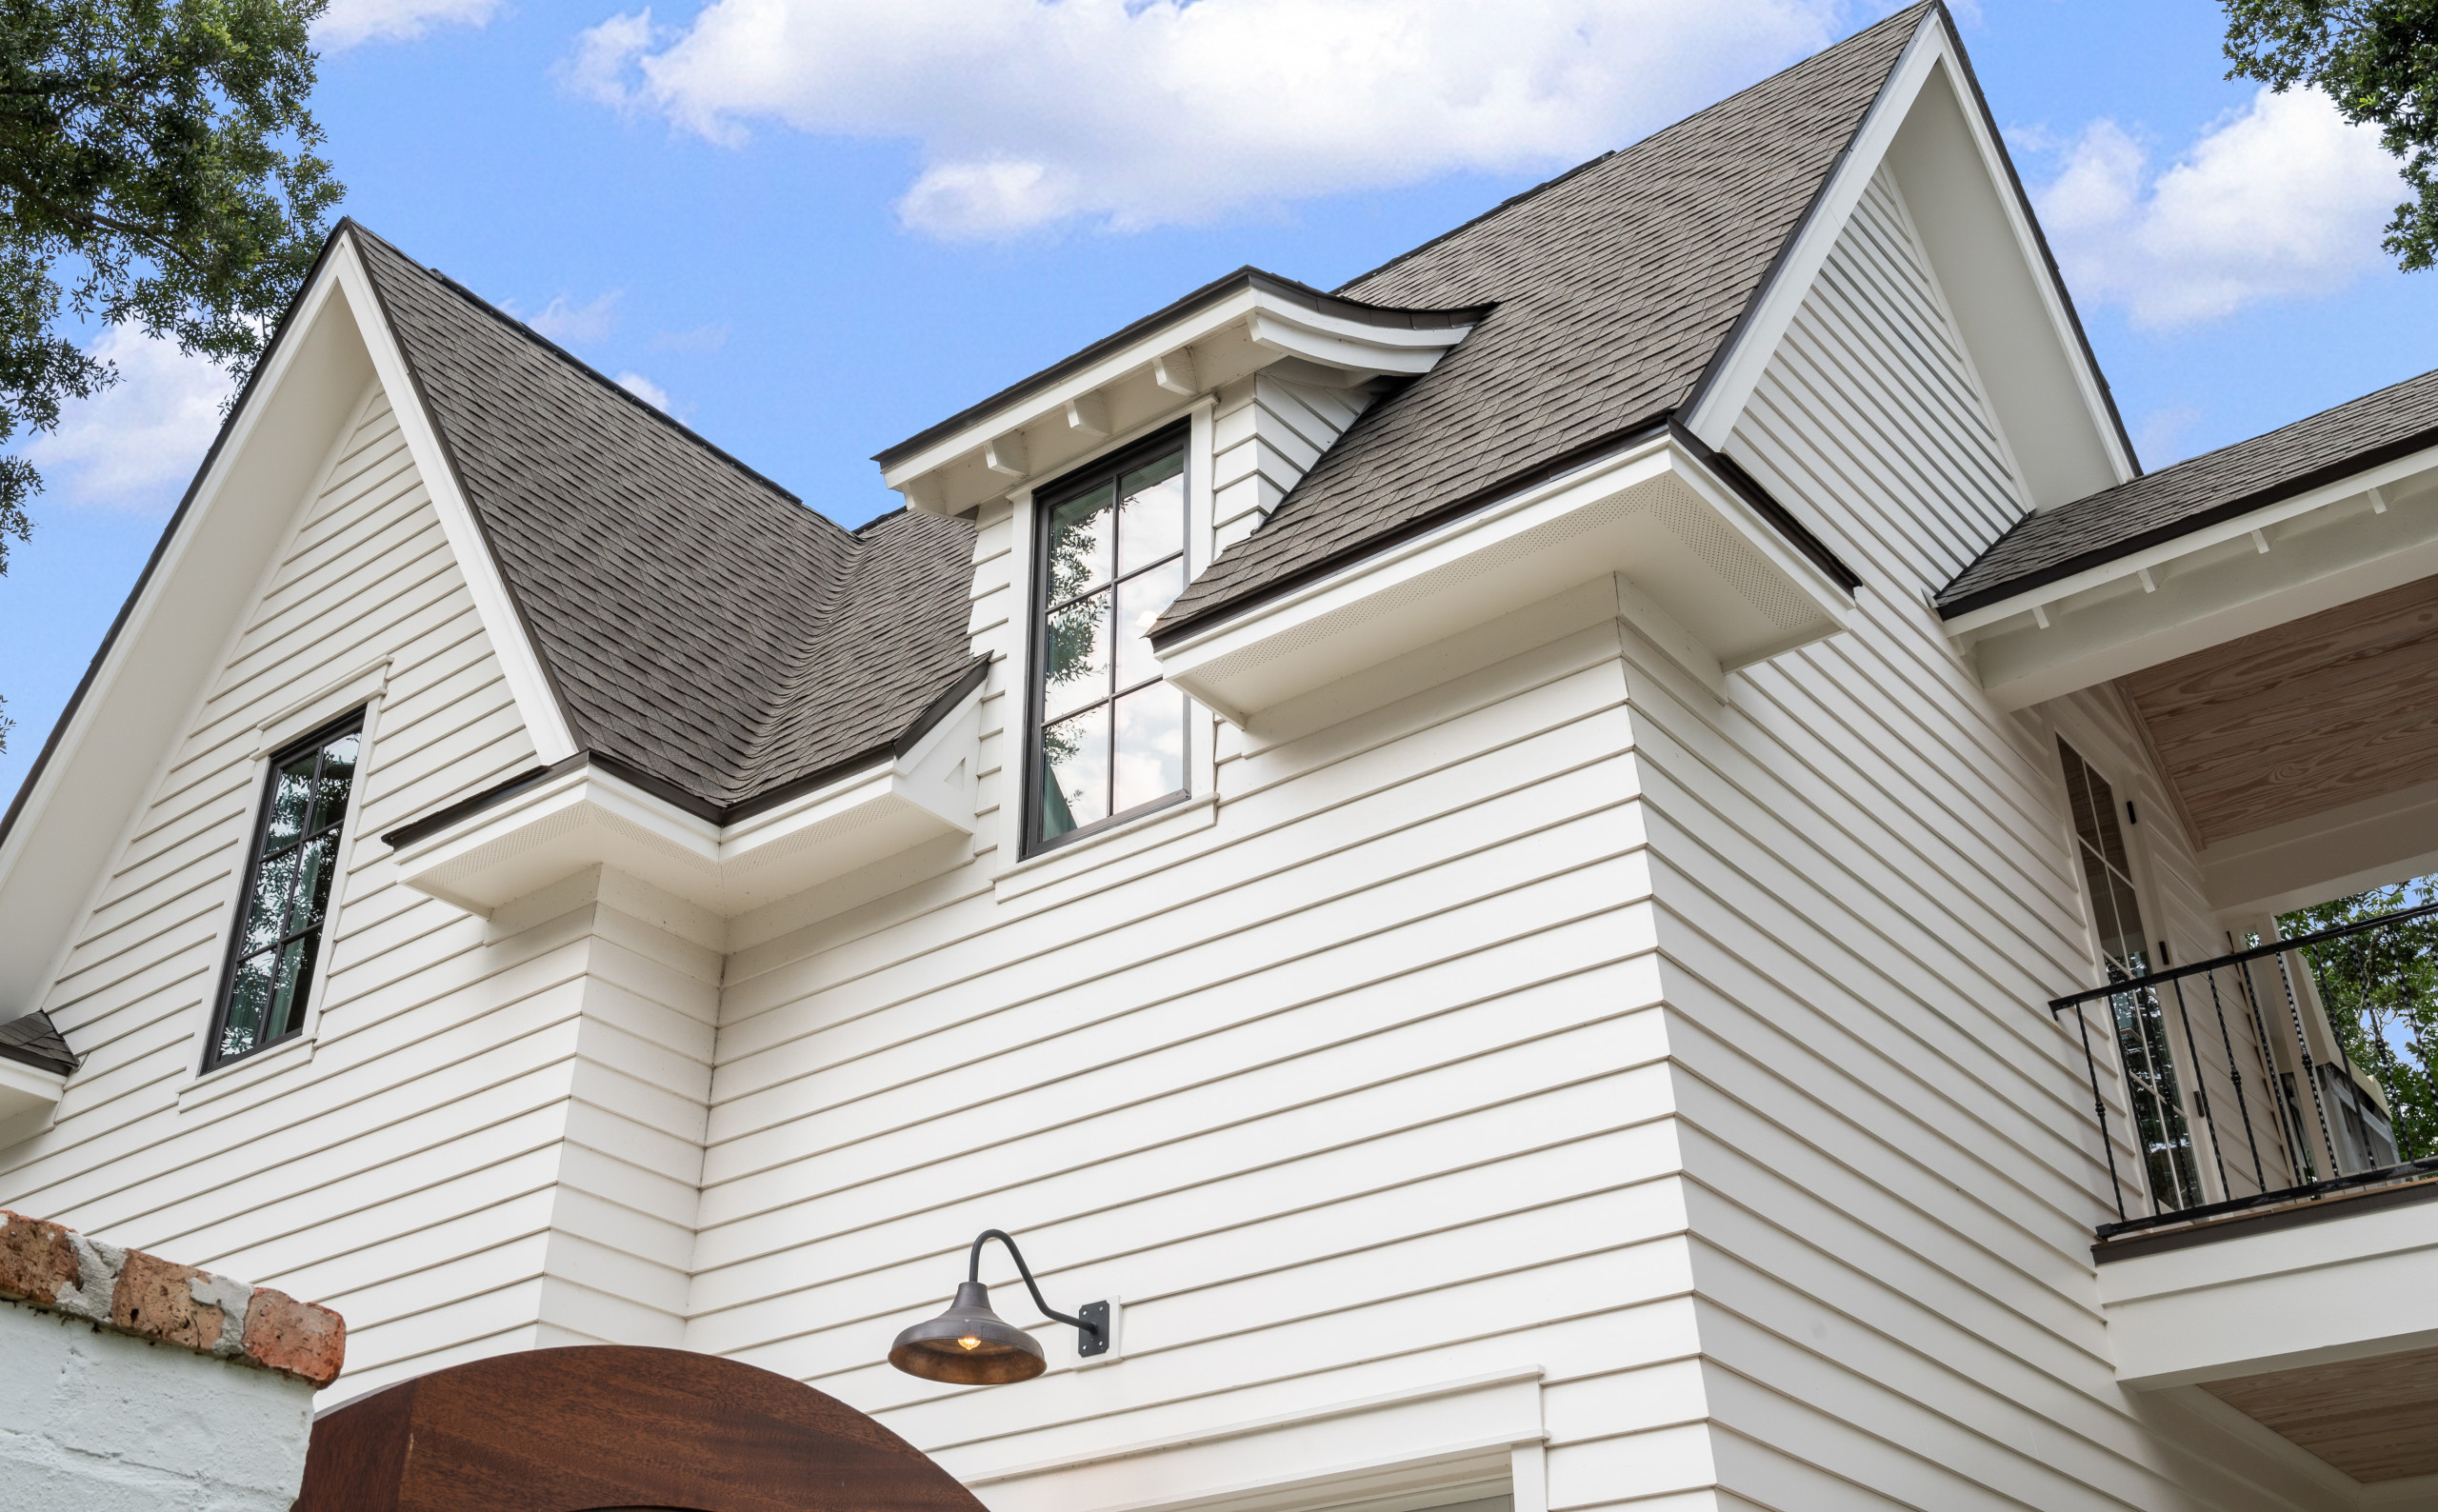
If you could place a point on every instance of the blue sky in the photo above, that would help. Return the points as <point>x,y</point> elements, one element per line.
<point>814,227</point>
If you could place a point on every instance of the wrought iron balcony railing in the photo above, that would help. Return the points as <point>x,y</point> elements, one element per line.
<point>2232,1080</point>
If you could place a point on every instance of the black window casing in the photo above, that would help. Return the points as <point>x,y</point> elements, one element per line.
<point>265,805</point>
<point>1070,485</point>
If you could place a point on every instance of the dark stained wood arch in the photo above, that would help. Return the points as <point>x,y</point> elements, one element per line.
<point>613,1428</point>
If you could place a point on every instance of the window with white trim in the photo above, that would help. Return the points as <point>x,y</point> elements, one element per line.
<point>1108,735</point>
<point>282,912</point>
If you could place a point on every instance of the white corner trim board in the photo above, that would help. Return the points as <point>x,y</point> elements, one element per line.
<point>589,818</point>
<point>1450,1435</point>
<point>1700,571</point>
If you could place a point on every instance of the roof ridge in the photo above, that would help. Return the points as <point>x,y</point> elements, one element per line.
<point>1679,123</point>
<point>522,328</point>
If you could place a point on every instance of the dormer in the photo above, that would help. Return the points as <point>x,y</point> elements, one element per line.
<point>1284,367</point>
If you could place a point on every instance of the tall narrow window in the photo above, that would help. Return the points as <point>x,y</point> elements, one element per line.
<point>287,893</point>
<point>1111,735</point>
<point>2140,1020</point>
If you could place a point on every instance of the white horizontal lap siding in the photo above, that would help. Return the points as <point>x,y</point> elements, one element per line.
<point>415,1172</point>
<point>1356,1089</point>
<point>1865,897</point>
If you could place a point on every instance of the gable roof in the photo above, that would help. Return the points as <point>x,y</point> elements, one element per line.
<point>2199,492</point>
<point>703,629</point>
<point>33,1040</point>
<point>1616,287</point>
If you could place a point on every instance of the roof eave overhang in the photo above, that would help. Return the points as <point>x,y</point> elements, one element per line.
<point>1238,327</point>
<point>2243,567</point>
<point>535,832</point>
<point>1704,572</point>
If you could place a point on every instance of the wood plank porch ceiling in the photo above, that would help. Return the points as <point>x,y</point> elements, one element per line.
<point>2301,718</point>
<point>2375,1420</point>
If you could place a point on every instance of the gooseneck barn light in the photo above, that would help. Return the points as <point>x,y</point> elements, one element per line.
<point>970,1346</point>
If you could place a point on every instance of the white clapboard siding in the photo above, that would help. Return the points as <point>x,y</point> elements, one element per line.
<point>1865,895</point>
<point>1356,1086</point>
<point>1267,432</point>
<point>496,1141</point>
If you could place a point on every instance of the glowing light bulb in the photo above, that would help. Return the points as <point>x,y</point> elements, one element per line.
<point>969,1342</point>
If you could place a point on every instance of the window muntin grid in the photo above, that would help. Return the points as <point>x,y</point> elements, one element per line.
<point>2156,1098</point>
<point>296,856</point>
<point>1110,734</point>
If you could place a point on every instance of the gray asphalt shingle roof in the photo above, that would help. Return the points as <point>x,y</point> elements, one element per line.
<point>701,625</point>
<point>2200,491</point>
<point>35,1040</point>
<point>1616,286</point>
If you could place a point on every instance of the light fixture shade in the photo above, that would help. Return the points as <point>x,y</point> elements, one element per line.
<point>969,1344</point>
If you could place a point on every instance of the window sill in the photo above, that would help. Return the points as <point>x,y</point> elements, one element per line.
<point>1161,824</point>
<point>236,1075</point>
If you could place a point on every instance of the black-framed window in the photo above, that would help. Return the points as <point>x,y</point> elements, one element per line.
<point>295,855</point>
<point>1109,736</point>
<point>2153,1093</point>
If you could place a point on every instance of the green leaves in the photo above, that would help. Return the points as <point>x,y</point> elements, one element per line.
<point>156,166</point>
<point>2380,988</point>
<point>2378,60</point>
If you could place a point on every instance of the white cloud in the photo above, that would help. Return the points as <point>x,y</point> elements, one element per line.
<point>572,324</point>
<point>645,389</point>
<point>136,444</point>
<point>1143,112</point>
<point>700,338</point>
<point>2162,434</point>
<point>349,22</point>
<point>2283,200</point>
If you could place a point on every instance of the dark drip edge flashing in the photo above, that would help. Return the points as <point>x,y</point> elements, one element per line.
<point>1724,469</point>
<point>1302,295</point>
<point>677,797</point>
<point>2279,492</point>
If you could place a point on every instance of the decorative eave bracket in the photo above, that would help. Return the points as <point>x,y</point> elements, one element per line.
<point>1044,424</point>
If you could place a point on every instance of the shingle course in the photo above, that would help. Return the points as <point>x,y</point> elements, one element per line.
<point>2198,492</point>
<point>1615,287</point>
<point>699,624</point>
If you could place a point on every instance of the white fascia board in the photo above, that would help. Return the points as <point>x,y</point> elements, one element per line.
<point>1931,52</point>
<point>537,701</point>
<point>2205,588</point>
<point>2343,1288</point>
<point>1714,419</point>
<point>119,733</point>
<point>26,1089</point>
<point>2385,476</point>
<point>1740,595</point>
<point>1280,326</point>
<point>588,817</point>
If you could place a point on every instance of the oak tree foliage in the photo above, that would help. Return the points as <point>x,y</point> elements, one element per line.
<point>157,167</point>
<point>2378,60</point>
<point>2380,988</point>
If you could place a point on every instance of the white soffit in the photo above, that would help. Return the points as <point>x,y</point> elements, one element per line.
<point>1927,127</point>
<point>27,1090</point>
<point>1700,571</point>
<point>589,818</point>
<point>2364,534</point>
<point>1253,328</point>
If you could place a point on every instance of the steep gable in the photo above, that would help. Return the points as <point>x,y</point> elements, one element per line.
<point>1614,287</point>
<point>677,598</point>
